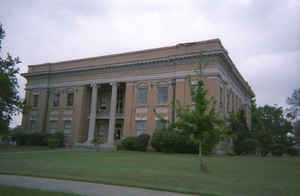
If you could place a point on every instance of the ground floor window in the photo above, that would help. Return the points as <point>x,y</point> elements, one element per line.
<point>101,130</point>
<point>160,125</point>
<point>32,124</point>
<point>140,127</point>
<point>67,127</point>
<point>52,127</point>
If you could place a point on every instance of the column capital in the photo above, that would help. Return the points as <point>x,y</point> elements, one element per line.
<point>93,84</point>
<point>113,83</point>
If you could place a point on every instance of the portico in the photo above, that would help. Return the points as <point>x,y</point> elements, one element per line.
<point>98,110</point>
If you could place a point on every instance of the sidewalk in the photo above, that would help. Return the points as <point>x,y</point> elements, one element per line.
<point>83,188</point>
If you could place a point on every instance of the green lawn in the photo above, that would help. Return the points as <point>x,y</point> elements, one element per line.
<point>172,172</point>
<point>16,191</point>
<point>22,148</point>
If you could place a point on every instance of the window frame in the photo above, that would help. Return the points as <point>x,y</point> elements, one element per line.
<point>162,99</point>
<point>52,129</point>
<point>70,103</point>
<point>35,100</point>
<point>138,130</point>
<point>145,96</point>
<point>56,98</point>
<point>67,128</point>
<point>158,122</point>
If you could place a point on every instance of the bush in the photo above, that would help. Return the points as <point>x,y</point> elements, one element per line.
<point>53,143</point>
<point>173,141</point>
<point>61,137</point>
<point>292,151</point>
<point>277,150</point>
<point>20,138</point>
<point>129,143</point>
<point>36,139</point>
<point>141,142</point>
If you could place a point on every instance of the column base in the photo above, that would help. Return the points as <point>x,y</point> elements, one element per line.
<point>84,145</point>
<point>107,148</point>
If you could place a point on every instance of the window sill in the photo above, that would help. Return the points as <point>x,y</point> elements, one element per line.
<point>141,105</point>
<point>162,104</point>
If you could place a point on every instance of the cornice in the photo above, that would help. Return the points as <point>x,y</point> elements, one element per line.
<point>124,65</point>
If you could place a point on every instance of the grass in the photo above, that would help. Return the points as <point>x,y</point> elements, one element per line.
<point>171,172</point>
<point>22,148</point>
<point>16,191</point>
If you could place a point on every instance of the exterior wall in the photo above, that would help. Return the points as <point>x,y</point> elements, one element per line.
<point>218,73</point>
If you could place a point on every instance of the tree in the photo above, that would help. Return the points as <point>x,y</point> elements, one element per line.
<point>202,122</point>
<point>297,131</point>
<point>10,101</point>
<point>262,135</point>
<point>243,140</point>
<point>294,102</point>
<point>278,128</point>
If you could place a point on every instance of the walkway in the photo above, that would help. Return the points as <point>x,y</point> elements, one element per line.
<point>83,188</point>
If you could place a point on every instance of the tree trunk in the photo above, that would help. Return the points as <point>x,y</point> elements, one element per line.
<point>200,155</point>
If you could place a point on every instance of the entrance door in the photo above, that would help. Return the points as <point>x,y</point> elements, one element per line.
<point>118,131</point>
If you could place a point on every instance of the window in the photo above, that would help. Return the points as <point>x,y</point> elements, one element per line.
<point>101,130</point>
<point>56,99</point>
<point>32,124</point>
<point>67,126</point>
<point>228,100</point>
<point>52,127</point>
<point>35,100</point>
<point>140,127</point>
<point>221,96</point>
<point>103,103</point>
<point>120,100</point>
<point>162,95</point>
<point>160,125</point>
<point>142,96</point>
<point>70,99</point>
<point>194,89</point>
<point>233,102</point>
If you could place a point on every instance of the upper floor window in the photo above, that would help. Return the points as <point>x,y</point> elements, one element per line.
<point>103,103</point>
<point>142,96</point>
<point>56,99</point>
<point>35,100</point>
<point>70,99</point>
<point>140,127</point>
<point>162,95</point>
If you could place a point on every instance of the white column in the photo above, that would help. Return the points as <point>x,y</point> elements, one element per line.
<point>112,116</point>
<point>93,110</point>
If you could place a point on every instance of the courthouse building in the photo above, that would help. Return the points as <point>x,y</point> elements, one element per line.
<point>112,97</point>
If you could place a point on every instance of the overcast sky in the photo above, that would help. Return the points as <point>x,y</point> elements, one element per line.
<point>261,36</point>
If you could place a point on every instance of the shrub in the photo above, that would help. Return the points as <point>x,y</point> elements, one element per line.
<point>292,151</point>
<point>156,140</point>
<point>53,143</point>
<point>141,142</point>
<point>277,150</point>
<point>58,135</point>
<point>164,140</point>
<point>173,141</point>
<point>20,138</point>
<point>36,139</point>
<point>129,142</point>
